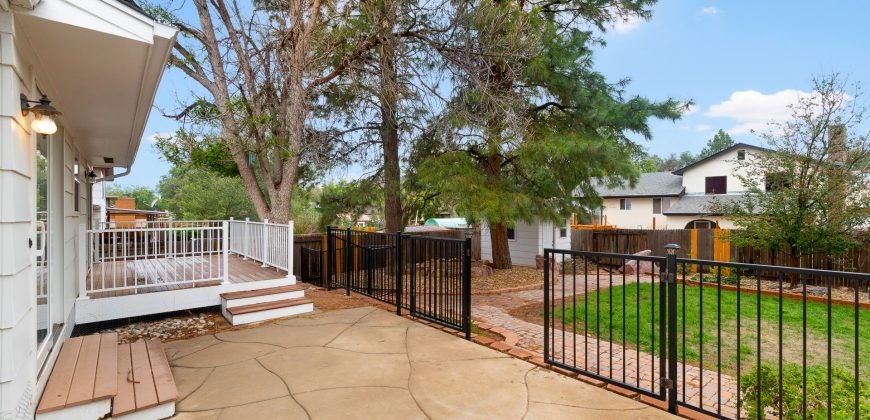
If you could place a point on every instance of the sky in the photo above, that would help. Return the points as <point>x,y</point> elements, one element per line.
<point>740,62</point>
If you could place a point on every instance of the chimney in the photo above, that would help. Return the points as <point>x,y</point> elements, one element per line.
<point>837,143</point>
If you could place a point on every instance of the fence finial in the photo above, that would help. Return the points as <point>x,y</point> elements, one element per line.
<point>672,249</point>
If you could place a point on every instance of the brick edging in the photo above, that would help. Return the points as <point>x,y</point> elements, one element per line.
<point>509,289</point>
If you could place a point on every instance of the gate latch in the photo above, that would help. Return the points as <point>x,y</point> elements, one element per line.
<point>666,383</point>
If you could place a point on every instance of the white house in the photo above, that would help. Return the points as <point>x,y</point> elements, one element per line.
<point>99,63</point>
<point>528,240</point>
<point>681,199</point>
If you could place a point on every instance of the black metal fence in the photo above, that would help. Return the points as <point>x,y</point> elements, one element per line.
<point>428,276</point>
<point>729,340</point>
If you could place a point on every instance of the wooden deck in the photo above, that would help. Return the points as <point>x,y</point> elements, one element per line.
<point>156,274</point>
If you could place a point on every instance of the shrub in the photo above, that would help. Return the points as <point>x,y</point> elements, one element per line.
<point>842,393</point>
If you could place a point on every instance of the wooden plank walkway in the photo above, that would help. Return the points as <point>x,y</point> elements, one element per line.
<point>157,273</point>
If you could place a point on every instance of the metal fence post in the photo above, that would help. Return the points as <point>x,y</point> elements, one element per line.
<point>348,252</point>
<point>412,286</point>
<point>547,304</point>
<point>399,270</point>
<point>232,219</point>
<point>466,286</point>
<point>265,242</point>
<point>330,257</point>
<point>171,237</point>
<point>671,381</point>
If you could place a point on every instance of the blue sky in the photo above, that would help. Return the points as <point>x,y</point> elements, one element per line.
<point>741,62</point>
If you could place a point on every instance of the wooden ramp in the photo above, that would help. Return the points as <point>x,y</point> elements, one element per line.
<point>94,376</point>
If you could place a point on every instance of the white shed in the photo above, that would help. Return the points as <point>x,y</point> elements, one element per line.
<point>528,240</point>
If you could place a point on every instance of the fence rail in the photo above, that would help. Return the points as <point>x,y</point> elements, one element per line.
<point>268,243</point>
<point>730,340</point>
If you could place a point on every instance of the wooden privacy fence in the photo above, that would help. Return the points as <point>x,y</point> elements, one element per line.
<point>710,244</point>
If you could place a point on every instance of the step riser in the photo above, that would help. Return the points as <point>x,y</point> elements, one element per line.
<point>232,303</point>
<point>94,410</point>
<point>266,315</point>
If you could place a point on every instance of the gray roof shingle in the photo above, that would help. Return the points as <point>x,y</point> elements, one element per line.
<point>651,184</point>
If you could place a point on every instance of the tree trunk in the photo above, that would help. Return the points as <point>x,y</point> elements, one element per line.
<point>501,253</point>
<point>390,127</point>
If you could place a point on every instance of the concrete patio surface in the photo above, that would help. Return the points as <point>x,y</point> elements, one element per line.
<point>369,363</point>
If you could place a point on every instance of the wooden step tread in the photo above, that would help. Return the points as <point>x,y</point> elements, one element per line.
<point>262,292</point>
<point>144,378</point>
<point>265,306</point>
<point>85,371</point>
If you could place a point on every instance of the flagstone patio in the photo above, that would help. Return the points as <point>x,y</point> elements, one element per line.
<point>369,363</point>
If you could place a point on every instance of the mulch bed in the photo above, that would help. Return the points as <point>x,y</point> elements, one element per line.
<point>210,321</point>
<point>507,279</point>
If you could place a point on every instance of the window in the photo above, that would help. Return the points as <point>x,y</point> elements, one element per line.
<point>511,234</point>
<point>741,155</point>
<point>625,204</point>
<point>701,224</point>
<point>716,185</point>
<point>661,205</point>
<point>563,231</point>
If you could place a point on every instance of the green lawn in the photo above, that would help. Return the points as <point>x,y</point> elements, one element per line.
<point>693,328</point>
<point>634,309</point>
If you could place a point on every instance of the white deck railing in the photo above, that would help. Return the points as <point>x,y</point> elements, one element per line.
<point>176,254</point>
<point>268,243</point>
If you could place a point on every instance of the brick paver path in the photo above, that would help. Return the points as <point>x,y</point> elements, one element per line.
<point>609,359</point>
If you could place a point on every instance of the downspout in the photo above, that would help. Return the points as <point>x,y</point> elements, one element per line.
<point>114,176</point>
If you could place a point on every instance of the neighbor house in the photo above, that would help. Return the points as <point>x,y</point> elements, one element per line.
<point>682,199</point>
<point>527,240</point>
<point>122,213</point>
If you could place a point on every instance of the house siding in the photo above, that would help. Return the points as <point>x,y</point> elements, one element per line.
<point>17,186</point>
<point>531,239</point>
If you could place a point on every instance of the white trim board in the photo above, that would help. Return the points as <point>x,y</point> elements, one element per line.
<point>117,307</point>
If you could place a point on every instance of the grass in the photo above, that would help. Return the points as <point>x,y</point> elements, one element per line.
<point>710,336</point>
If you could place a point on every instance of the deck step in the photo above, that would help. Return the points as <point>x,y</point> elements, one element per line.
<point>267,310</point>
<point>146,388</point>
<point>250,297</point>
<point>82,381</point>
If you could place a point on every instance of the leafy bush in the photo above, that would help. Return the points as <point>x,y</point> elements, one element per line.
<point>842,393</point>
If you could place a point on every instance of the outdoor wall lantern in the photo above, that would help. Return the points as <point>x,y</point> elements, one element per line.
<point>91,176</point>
<point>43,123</point>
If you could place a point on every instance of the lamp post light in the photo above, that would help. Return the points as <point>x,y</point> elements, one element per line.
<point>43,122</point>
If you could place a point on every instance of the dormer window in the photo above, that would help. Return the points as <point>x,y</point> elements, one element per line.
<point>741,155</point>
<point>716,185</point>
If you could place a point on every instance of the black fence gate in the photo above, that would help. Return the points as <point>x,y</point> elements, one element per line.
<point>729,340</point>
<point>428,276</point>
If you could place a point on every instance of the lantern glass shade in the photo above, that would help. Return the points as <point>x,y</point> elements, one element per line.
<point>44,124</point>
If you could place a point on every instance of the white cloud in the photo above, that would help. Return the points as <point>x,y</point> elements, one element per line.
<point>701,127</point>
<point>753,110</point>
<point>710,11</point>
<point>627,24</point>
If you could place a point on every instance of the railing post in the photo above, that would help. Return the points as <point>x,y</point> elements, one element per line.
<point>246,239</point>
<point>230,229</point>
<point>265,242</point>
<point>225,232</point>
<point>330,258</point>
<point>412,286</point>
<point>171,237</point>
<point>349,260</point>
<point>466,287</point>
<point>547,305</point>
<point>290,251</point>
<point>83,263</point>
<point>671,381</point>
<point>399,270</point>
